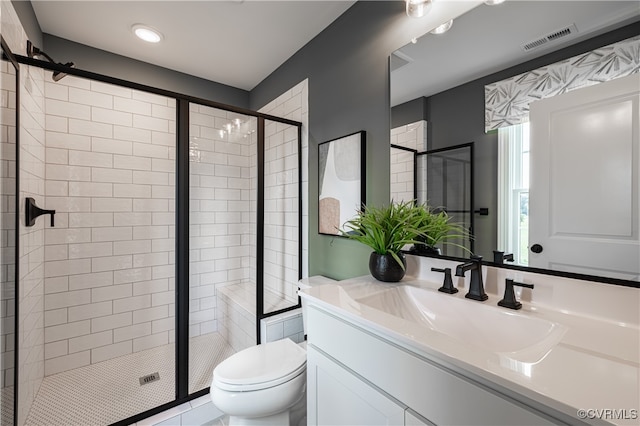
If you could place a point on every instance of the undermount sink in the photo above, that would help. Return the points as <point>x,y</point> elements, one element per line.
<point>513,336</point>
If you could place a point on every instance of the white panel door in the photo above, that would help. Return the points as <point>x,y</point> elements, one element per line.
<point>584,194</point>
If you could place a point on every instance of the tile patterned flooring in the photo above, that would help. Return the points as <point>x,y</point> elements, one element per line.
<point>6,405</point>
<point>109,391</point>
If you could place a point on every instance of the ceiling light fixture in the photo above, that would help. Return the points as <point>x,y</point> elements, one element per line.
<point>493,2</point>
<point>146,33</point>
<point>443,28</point>
<point>417,8</point>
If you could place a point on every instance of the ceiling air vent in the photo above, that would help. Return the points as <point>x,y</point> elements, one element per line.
<point>552,36</point>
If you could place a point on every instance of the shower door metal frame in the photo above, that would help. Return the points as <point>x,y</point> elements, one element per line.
<point>182,220</point>
<point>260,231</point>
<point>415,167</point>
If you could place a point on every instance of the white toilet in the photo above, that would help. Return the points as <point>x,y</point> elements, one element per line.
<point>265,384</point>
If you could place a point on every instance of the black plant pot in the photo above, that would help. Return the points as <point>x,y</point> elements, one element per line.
<point>384,267</point>
<point>422,248</point>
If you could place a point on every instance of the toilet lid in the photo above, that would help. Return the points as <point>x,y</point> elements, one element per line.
<point>261,366</point>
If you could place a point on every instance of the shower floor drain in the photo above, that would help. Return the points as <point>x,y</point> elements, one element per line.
<point>149,378</point>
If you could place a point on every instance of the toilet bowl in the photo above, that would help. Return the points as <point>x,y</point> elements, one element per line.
<point>264,384</point>
<point>260,385</point>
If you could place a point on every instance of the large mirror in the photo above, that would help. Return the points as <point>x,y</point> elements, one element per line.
<point>438,87</point>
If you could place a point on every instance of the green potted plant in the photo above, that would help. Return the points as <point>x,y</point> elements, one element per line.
<point>437,229</point>
<point>387,230</point>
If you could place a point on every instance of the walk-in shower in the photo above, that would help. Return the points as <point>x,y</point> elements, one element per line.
<point>176,231</point>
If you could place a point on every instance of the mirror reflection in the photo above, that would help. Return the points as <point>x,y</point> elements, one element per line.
<point>537,193</point>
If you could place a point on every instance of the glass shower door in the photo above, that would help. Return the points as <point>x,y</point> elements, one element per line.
<point>97,296</point>
<point>222,238</point>
<point>282,237</point>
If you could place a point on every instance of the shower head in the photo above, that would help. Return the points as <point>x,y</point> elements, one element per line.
<point>59,75</point>
<point>33,51</point>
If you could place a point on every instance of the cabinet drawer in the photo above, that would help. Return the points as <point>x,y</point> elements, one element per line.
<point>432,392</point>
<point>337,397</point>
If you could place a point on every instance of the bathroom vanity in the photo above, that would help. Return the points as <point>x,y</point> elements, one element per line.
<point>404,353</point>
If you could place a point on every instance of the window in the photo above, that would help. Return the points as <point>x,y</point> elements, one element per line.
<point>513,191</point>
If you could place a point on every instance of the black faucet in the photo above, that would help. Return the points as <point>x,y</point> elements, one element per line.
<point>476,288</point>
<point>499,257</point>
<point>509,299</point>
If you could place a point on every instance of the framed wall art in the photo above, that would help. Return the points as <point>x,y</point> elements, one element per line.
<point>341,181</point>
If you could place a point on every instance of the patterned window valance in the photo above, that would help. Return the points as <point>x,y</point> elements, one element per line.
<point>507,101</point>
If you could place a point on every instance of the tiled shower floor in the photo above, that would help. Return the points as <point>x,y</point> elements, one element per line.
<point>6,405</point>
<point>109,391</point>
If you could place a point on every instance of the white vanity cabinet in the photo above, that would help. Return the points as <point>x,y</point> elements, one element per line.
<point>356,377</point>
<point>338,397</point>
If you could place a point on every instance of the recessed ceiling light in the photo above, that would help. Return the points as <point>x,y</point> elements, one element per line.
<point>493,2</point>
<point>443,28</point>
<point>146,33</point>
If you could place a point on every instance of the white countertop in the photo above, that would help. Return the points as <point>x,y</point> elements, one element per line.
<point>594,364</point>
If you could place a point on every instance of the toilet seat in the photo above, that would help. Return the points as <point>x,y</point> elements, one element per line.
<point>261,367</point>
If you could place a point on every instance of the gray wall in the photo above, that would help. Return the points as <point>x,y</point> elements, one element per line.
<point>29,22</point>
<point>106,63</point>
<point>409,112</point>
<point>456,116</point>
<point>348,70</point>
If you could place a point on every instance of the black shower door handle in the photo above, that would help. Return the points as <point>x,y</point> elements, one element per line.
<point>32,212</point>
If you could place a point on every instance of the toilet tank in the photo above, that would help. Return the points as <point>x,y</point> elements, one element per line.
<point>307,283</point>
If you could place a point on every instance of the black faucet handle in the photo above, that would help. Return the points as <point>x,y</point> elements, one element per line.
<point>447,285</point>
<point>509,299</point>
<point>499,257</point>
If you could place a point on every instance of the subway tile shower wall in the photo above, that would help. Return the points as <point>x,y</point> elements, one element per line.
<point>31,252</point>
<point>109,261</point>
<point>31,249</point>
<point>7,213</point>
<point>281,210</point>
<point>282,178</point>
